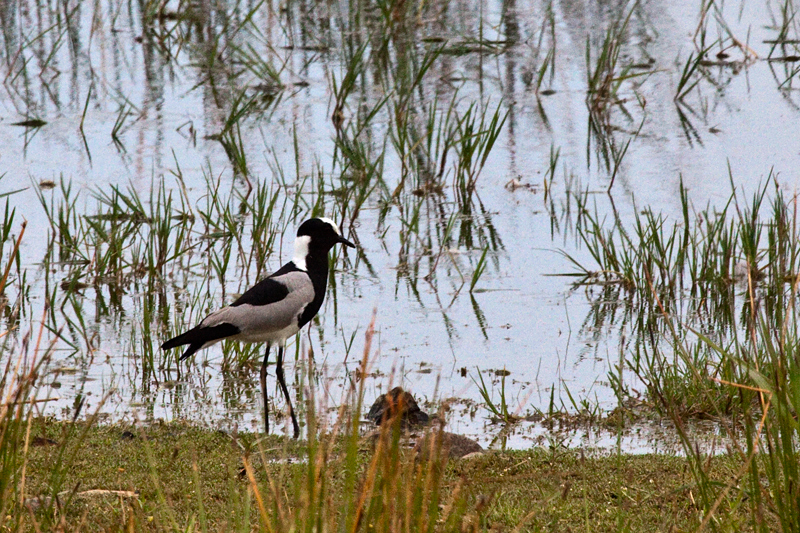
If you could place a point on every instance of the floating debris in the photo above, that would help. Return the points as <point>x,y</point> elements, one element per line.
<point>30,123</point>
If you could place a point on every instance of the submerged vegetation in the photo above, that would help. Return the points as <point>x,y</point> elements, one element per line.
<point>159,156</point>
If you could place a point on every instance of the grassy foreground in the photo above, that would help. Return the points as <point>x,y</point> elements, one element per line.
<point>180,477</point>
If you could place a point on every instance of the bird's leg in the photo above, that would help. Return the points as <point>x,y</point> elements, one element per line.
<point>282,383</point>
<point>264,390</point>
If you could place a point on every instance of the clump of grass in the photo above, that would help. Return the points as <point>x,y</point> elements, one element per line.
<point>689,382</point>
<point>692,265</point>
<point>688,81</point>
<point>22,364</point>
<point>478,130</point>
<point>750,386</point>
<point>19,381</point>
<point>499,410</point>
<point>605,74</point>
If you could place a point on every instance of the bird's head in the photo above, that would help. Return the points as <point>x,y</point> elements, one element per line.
<point>320,234</point>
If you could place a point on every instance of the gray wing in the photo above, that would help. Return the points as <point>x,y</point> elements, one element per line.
<point>261,320</point>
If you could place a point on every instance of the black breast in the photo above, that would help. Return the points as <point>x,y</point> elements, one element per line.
<point>317,269</point>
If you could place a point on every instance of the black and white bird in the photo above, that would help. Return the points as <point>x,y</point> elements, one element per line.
<point>276,307</point>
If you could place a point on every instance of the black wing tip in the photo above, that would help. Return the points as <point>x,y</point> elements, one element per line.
<point>182,339</point>
<point>178,341</point>
<point>197,337</point>
<point>190,351</point>
<point>170,344</point>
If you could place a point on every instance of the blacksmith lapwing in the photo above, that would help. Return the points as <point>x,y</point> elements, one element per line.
<point>275,308</point>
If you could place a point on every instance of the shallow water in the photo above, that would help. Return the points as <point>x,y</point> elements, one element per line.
<point>182,78</point>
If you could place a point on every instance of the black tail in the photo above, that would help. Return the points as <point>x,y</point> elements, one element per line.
<point>199,336</point>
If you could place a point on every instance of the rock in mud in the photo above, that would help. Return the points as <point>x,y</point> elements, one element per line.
<point>453,445</point>
<point>398,402</point>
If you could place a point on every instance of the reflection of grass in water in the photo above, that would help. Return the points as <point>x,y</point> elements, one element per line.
<point>785,47</point>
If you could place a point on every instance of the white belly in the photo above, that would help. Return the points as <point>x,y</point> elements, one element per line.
<point>274,337</point>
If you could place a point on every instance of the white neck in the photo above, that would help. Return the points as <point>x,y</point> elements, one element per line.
<point>301,251</point>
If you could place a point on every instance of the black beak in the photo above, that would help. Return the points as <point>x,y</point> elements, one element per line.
<point>344,241</point>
